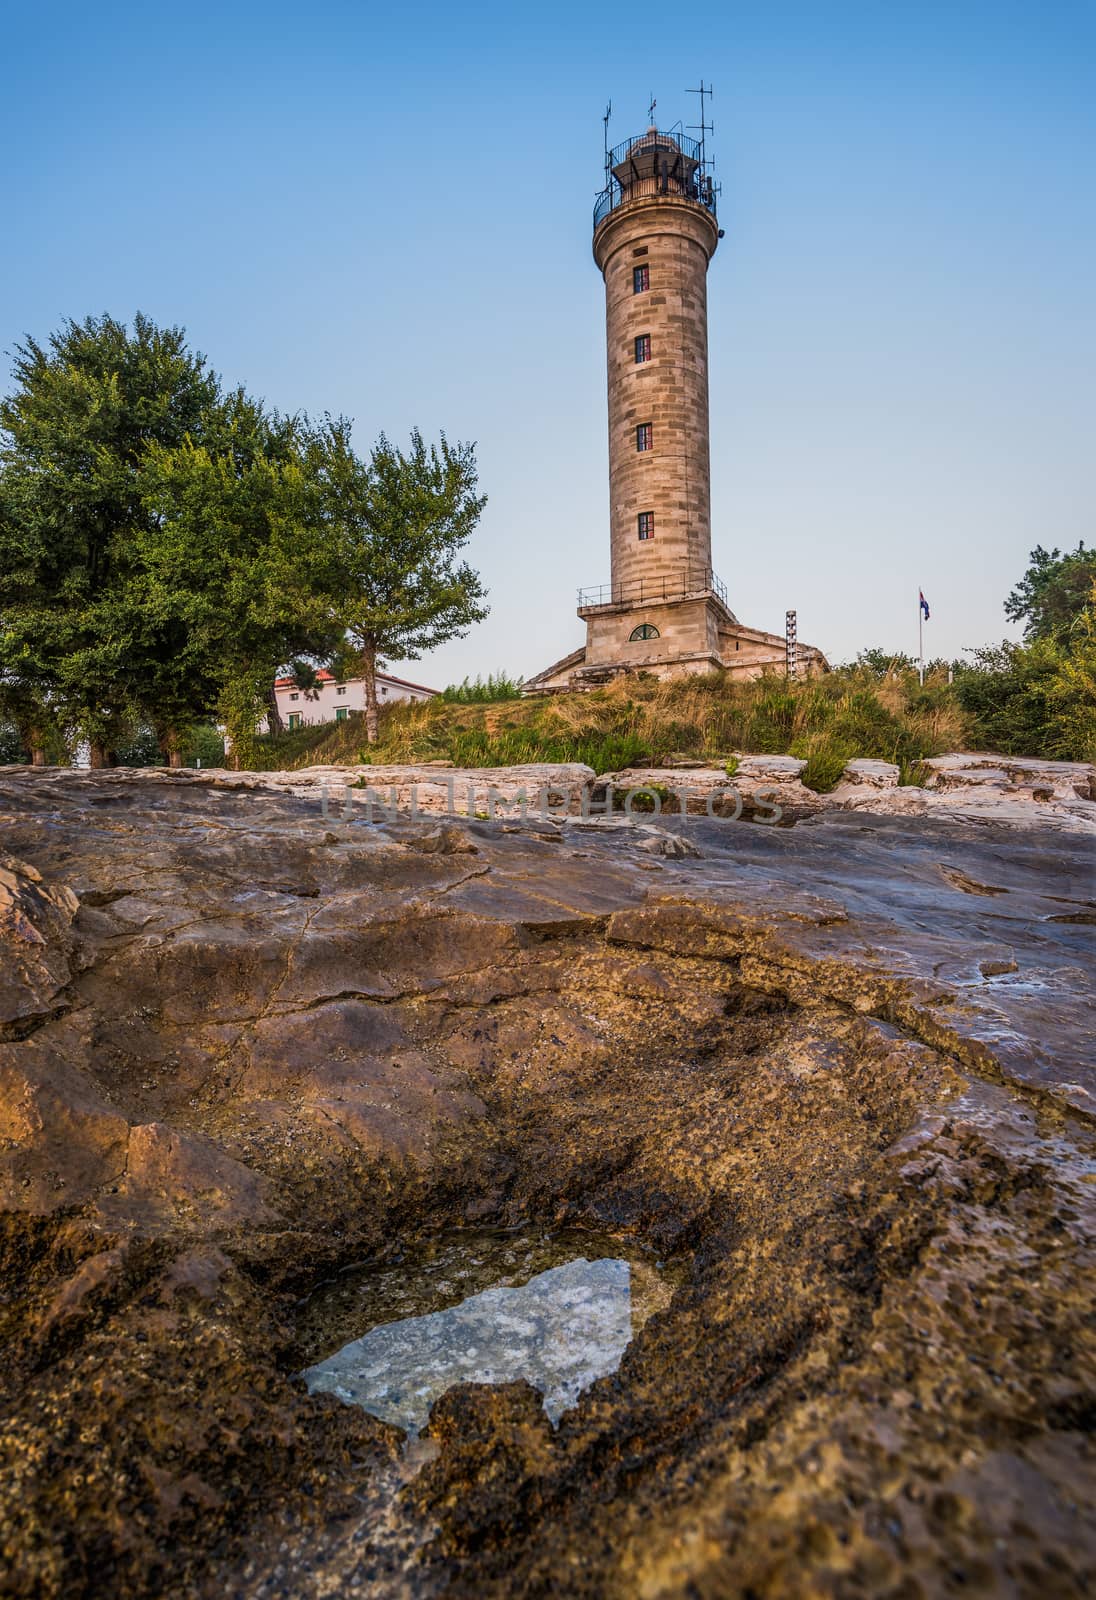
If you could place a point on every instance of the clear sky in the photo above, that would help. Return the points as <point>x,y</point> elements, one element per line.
<point>385,211</point>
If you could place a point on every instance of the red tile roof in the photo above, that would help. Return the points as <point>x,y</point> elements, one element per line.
<point>405,683</point>
<point>323,676</point>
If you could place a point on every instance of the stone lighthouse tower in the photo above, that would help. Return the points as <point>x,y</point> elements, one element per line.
<point>653,240</point>
<point>663,610</point>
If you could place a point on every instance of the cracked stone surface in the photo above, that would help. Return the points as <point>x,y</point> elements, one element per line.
<point>839,1074</point>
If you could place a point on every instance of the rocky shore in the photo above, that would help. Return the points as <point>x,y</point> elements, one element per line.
<point>838,1072</point>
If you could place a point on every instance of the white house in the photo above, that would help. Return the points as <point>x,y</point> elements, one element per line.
<point>332,701</point>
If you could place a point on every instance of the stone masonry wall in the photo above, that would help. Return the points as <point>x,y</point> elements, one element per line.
<point>670,391</point>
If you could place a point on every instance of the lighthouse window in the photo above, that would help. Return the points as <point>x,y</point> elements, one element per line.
<point>641,279</point>
<point>645,436</point>
<point>646,524</point>
<point>643,348</point>
<point>646,630</point>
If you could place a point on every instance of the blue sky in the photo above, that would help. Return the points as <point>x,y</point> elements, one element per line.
<point>386,212</point>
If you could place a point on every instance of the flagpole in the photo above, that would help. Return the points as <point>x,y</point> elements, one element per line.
<point>920,642</point>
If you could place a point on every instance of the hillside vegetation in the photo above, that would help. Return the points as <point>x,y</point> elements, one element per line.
<point>854,711</point>
<point>1037,698</point>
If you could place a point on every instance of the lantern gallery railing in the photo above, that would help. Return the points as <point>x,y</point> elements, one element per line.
<point>642,590</point>
<point>655,163</point>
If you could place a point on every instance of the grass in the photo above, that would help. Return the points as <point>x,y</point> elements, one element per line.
<point>852,712</point>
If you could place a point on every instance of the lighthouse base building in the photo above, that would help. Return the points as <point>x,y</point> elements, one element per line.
<point>670,637</point>
<point>663,611</point>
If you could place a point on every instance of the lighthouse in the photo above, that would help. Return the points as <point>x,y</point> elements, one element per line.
<point>662,610</point>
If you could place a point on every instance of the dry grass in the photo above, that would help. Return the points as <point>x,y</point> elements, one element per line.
<point>851,712</point>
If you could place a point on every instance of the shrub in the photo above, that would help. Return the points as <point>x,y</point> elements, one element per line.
<point>483,691</point>
<point>12,748</point>
<point>913,774</point>
<point>1037,699</point>
<point>645,800</point>
<point>204,743</point>
<point>141,749</point>
<point>827,755</point>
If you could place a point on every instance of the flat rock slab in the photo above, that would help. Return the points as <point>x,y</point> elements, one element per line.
<point>839,1073</point>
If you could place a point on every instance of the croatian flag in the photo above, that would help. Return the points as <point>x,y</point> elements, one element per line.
<point>924,606</point>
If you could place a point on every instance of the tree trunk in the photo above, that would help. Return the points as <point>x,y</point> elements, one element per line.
<point>273,713</point>
<point>169,741</point>
<point>98,755</point>
<point>37,756</point>
<point>369,674</point>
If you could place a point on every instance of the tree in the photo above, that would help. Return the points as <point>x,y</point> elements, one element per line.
<point>1053,592</point>
<point>396,525</point>
<point>13,749</point>
<point>165,547</point>
<point>24,708</point>
<point>1039,698</point>
<point>1072,691</point>
<point>885,663</point>
<point>306,676</point>
<point>235,563</point>
<point>73,440</point>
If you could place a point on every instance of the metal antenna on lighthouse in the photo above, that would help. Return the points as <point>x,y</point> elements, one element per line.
<point>605,120</point>
<point>703,127</point>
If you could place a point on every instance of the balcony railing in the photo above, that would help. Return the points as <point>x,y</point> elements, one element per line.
<point>643,590</point>
<point>652,164</point>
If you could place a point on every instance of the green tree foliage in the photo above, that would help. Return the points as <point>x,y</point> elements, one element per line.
<point>884,663</point>
<point>162,551</point>
<point>166,547</point>
<point>199,745</point>
<point>13,749</point>
<point>27,711</point>
<point>1053,593</point>
<point>73,438</point>
<point>236,564</point>
<point>396,525</point>
<point>140,749</point>
<point>205,746</point>
<point>306,675</point>
<point>1037,699</point>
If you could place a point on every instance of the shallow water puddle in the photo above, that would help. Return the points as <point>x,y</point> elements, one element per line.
<point>558,1310</point>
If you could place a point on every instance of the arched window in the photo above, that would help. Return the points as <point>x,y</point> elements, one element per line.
<point>646,630</point>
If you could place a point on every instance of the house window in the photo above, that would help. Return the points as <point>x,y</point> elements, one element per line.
<point>294,697</point>
<point>384,689</point>
<point>643,348</point>
<point>646,630</point>
<point>341,713</point>
<point>341,689</point>
<point>641,278</point>
<point>645,436</point>
<point>294,720</point>
<point>646,521</point>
